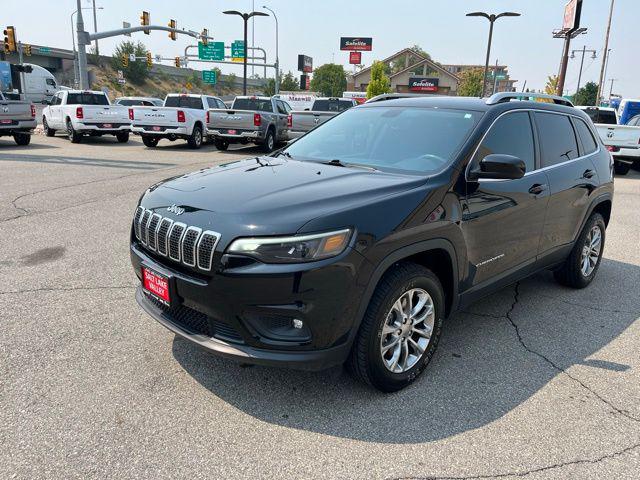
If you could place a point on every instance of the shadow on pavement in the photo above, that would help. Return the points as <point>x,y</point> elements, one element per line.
<point>31,146</point>
<point>480,373</point>
<point>85,162</point>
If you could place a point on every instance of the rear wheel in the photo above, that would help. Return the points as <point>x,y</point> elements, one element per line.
<point>195,140</point>
<point>150,141</point>
<point>621,168</point>
<point>221,144</point>
<point>580,268</point>
<point>269,142</point>
<point>123,137</point>
<point>74,136</point>
<point>49,132</point>
<point>22,138</point>
<point>400,330</point>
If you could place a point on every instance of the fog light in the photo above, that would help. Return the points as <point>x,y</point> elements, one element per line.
<point>297,323</point>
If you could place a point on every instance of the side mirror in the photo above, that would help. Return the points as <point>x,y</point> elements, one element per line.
<point>499,167</point>
<point>307,109</point>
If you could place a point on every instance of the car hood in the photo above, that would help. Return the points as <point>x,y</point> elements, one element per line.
<point>270,196</point>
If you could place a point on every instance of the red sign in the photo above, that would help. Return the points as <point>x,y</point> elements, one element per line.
<point>571,15</point>
<point>355,58</point>
<point>156,284</point>
<point>422,84</point>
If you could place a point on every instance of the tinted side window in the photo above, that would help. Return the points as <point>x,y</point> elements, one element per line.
<point>211,102</point>
<point>557,138</point>
<point>221,104</point>
<point>510,135</point>
<point>281,108</point>
<point>588,142</point>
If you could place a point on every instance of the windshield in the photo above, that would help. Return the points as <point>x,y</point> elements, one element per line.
<point>608,117</point>
<point>128,102</point>
<point>331,105</point>
<point>397,138</point>
<point>87,99</point>
<point>184,102</point>
<point>256,104</point>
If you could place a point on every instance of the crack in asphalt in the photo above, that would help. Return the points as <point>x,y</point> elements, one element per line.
<point>66,289</point>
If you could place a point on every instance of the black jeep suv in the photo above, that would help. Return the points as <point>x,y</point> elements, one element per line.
<point>354,243</point>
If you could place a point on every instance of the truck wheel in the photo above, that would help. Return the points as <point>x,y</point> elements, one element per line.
<point>123,137</point>
<point>150,141</point>
<point>195,140</point>
<point>74,136</point>
<point>269,142</point>
<point>22,138</point>
<point>221,144</point>
<point>49,132</point>
<point>621,168</point>
<point>400,329</point>
<point>580,268</point>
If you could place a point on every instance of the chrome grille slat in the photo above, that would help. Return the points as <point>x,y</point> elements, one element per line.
<point>180,242</point>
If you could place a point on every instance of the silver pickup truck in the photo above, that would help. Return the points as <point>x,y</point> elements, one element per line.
<point>17,119</point>
<point>264,121</point>
<point>321,110</point>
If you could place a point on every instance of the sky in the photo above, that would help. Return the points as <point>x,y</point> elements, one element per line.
<point>313,27</point>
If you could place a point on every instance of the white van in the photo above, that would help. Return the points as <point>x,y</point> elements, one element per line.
<point>38,85</point>
<point>298,101</point>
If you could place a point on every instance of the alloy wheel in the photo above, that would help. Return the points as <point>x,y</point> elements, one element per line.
<point>591,251</point>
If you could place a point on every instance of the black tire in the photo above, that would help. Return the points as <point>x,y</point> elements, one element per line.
<point>366,358</point>
<point>22,139</point>
<point>621,168</point>
<point>74,136</point>
<point>123,137</point>
<point>269,143</point>
<point>150,142</point>
<point>221,144</point>
<point>49,132</point>
<point>195,140</point>
<point>571,273</point>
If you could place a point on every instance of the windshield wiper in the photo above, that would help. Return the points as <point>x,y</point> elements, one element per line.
<point>339,163</point>
<point>284,154</point>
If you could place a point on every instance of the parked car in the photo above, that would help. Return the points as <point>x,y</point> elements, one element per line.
<point>623,141</point>
<point>321,110</point>
<point>297,100</point>
<point>85,112</point>
<point>17,119</point>
<point>264,121</point>
<point>182,116</point>
<point>139,101</point>
<point>628,109</point>
<point>355,242</point>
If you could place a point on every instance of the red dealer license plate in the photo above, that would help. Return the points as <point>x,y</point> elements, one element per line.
<point>6,121</point>
<point>106,125</point>
<point>156,284</point>
<point>232,132</point>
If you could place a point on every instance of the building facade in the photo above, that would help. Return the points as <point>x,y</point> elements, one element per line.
<point>498,74</point>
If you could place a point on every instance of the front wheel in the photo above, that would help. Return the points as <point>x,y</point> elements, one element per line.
<point>48,131</point>
<point>150,141</point>
<point>195,140</point>
<point>74,136</point>
<point>269,142</point>
<point>22,139</point>
<point>123,137</point>
<point>580,268</point>
<point>400,330</point>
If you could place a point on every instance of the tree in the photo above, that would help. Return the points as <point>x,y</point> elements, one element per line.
<point>587,95</point>
<point>420,51</point>
<point>552,85</point>
<point>330,80</point>
<point>379,83</point>
<point>136,71</point>
<point>471,83</point>
<point>289,82</point>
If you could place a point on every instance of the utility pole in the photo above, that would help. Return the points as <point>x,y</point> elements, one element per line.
<point>83,74</point>
<point>611,89</point>
<point>605,53</point>
<point>95,25</point>
<point>584,50</point>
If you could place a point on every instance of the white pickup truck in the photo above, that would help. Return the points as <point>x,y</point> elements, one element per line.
<point>623,141</point>
<point>321,110</point>
<point>17,119</point>
<point>182,116</point>
<point>85,112</point>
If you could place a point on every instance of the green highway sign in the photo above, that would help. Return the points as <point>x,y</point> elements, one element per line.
<point>212,51</point>
<point>237,50</point>
<point>44,50</point>
<point>210,76</point>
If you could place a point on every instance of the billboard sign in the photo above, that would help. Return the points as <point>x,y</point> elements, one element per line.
<point>356,44</point>
<point>423,84</point>
<point>355,58</point>
<point>305,64</point>
<point>305,82</point>
<point>572,11</point>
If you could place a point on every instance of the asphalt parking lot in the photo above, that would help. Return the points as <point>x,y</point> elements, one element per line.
<point>536,381</point>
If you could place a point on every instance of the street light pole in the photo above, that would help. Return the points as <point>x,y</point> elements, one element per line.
<point>584,50</point>
<point>245,17</point>
<point>95,25</point>
<point>277,89</point>
<point>492,18</point>
<point>611,89</point>
<point>82,51</point>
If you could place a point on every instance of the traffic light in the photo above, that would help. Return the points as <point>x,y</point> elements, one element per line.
<point>27,50</point>
<point>149,60</point>
<point>172,24</point>
<point>125,60</point>
<point>145,20</point>
<point>177,62</point>
<point>204,36</point>
<point>10,39</point>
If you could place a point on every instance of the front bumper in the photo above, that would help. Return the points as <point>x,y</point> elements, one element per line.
<point>221,312</point>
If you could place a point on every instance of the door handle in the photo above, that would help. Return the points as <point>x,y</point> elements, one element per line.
<point>537,188</point>
<point>588,174</point>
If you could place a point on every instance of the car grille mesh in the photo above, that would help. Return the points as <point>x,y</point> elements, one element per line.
<point>188,245</point>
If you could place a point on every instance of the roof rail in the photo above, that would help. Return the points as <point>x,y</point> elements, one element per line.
<point>395,96</point>
<point>503,97</point>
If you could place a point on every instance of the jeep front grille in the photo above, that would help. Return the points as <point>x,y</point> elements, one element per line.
<point>182,243</point>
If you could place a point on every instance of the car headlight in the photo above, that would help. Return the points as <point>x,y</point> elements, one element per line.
<point>293,249</point>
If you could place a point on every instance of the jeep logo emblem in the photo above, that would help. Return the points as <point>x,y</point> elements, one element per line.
<point>5,109</point>
<point>175,209</point>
